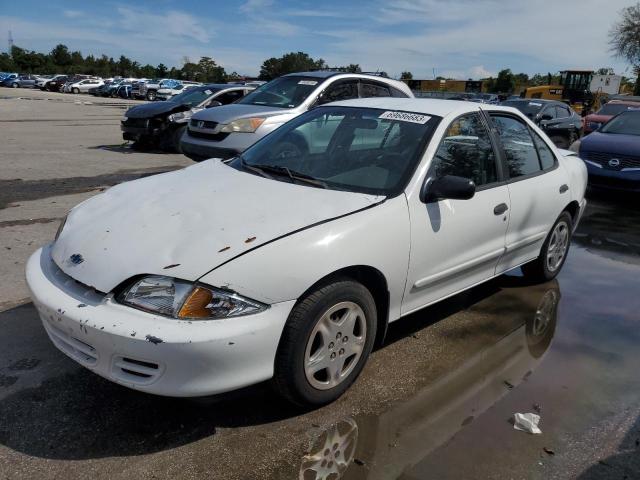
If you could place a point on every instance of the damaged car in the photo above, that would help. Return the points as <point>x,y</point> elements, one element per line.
<point>163,123</point>
<point>289,267</point>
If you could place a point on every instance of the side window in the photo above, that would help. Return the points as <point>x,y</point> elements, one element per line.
<point>549,111</point>
<point>547,159</point>
<point>368,90</point>
<point>521,154</point>
<point>229,97</point>
<point>339,91</point>
<point>466,151</point>
<point>561,112</point>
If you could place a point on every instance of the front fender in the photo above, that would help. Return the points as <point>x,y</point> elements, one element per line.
<point>284,269</point>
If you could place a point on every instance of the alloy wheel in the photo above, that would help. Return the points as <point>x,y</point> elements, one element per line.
<point>335,345</point>
<point>557,248</point>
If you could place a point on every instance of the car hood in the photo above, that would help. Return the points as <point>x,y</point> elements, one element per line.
<point>611,143</point>
<point>185,223</point>
<point>226,113</point>
<point>155,108</point>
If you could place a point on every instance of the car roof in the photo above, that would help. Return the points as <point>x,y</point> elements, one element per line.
<point>315,73</point>
<point>536,100</point>
<point>623,102</point>
<point>428,106</point>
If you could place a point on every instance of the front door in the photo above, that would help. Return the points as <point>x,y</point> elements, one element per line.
<point>458,243</point>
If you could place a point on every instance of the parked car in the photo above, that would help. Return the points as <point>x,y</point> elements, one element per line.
<point>488,98</point>
<point>56,83</point>
<point>557,119</point>
<point>22,81</point>
<point>83,86</point>
<point>42,80</point>
<point>290,267</point>
<point>123,90</point>
<point>227,131</point>
<point>149,89</point>
<point>163,123</point>
<point>612,153</point>
<point>595,120</point>
<point>166,93</point>
<point>8,77</point>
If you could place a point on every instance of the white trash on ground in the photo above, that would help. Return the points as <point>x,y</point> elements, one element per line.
<point>526,422</point>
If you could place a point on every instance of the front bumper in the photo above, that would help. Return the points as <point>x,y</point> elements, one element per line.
<point>203,148</point>
<point>147,352</point>
<point>625,180</point>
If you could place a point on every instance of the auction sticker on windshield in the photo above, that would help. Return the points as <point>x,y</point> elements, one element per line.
<point>307,82</point>
<point>406,117</point>
<point>207,92</point>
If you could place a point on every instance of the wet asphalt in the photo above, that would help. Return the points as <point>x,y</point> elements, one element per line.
<point>434,402</point>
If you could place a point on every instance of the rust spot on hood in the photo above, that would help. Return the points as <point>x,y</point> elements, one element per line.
<point>154,340</point>
<point>250,239</point>
<point>223,249</point>
<point>173,265</point>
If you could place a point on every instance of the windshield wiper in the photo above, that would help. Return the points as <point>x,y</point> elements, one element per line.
<point>280,170</point>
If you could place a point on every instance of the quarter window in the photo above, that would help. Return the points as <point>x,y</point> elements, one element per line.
<point>521,155</point>
<point>368,90</point>
<point>466,151</point>
<point>229,97</point>
<point>547,159</point>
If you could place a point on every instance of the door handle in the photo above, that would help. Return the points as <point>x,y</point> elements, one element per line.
<point>564,187</point>
<point>500,209</point>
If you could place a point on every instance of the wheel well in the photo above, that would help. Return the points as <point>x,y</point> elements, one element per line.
<point>574,209</point>
<point>375,282</point>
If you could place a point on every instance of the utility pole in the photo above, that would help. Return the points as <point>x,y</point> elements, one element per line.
<point>10,42</point>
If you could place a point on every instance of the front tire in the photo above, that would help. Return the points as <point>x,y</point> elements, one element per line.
<point>14,85</point>
<point>325,343</point>
<point>76,91</point>
<point>553,253</point>
<point>151,95</point>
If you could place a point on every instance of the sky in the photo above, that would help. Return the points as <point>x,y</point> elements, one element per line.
<point>453,38</point>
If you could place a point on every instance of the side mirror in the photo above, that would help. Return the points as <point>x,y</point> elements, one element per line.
<point>449,186</point>
<point>546,117</point>
<point>214,103</point>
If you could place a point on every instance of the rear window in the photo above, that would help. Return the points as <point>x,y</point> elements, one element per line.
<point>615,108</point>
<point>529,108</point>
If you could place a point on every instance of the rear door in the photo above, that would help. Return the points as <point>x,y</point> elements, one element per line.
<point>537,188</point>
<point>457,243</point>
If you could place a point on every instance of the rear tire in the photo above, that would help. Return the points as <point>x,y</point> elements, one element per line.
<point>76,91</point>
<point>553,253</point>
<point>151,95</point>
<point>14,85</point>
<point>309,342</point>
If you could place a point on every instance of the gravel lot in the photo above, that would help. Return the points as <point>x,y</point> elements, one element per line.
<point>433,402</point>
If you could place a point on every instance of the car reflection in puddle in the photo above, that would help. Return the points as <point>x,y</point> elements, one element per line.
<point>382,446</point>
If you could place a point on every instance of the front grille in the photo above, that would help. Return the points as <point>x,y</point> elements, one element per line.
<point>203,124</point>
<point>217,137</point>
<point>136,122</point>
<point>626,161</point>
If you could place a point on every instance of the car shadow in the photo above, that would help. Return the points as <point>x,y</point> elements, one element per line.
<point>74,414</point>
<point>127,149</point>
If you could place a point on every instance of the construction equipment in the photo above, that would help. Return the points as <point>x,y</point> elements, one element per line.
<point>573,90</point>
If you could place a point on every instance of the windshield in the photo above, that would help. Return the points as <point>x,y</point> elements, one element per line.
<point>529,108</point>
<point>193,96</point>
<point>283,92</point>
<point>615,108</point>
<point>627,123</point>
<point>343,148</point>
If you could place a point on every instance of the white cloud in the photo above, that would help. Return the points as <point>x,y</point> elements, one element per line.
<point>72,13</point>
<point>173,23</point>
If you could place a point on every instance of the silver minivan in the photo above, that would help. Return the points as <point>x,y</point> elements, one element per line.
<point>226,131</point>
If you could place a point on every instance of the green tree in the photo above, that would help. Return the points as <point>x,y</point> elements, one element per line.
<point>161,70</point>
<point>210,71</point>
<point>289,63</point>
<point>406,76</point>
<point>60,56</point>
<point>624,39</point>
<point>505,82</point>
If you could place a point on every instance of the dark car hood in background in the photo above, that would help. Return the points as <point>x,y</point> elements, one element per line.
<point>227,113</point>
<point>611,143</point>
<point>155,108</point>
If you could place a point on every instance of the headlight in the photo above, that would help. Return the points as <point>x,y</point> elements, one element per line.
<point>186,300</point>
<point>176,117</point>
<point>125,118</point>
<point>243,125</point>
<point>60,228</point>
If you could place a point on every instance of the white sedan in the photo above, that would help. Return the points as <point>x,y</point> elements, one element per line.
<point>288,262</point>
